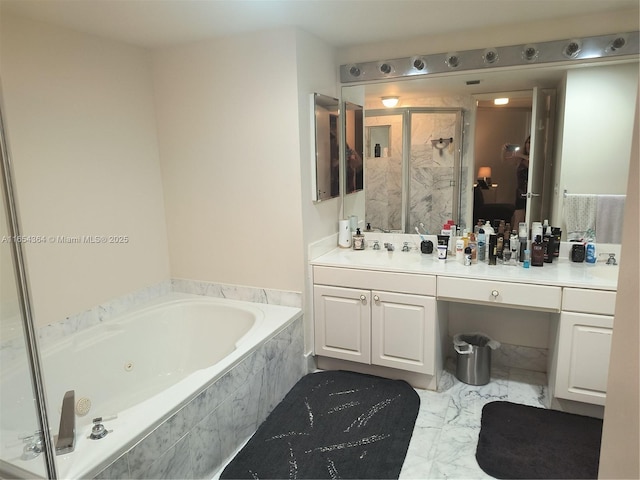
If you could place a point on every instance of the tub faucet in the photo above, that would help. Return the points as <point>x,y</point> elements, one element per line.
<point>66,441</point>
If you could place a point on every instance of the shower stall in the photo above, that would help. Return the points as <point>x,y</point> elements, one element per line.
<point>414,176</point>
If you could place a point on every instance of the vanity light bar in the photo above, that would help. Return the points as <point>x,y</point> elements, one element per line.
<point>602,46</point>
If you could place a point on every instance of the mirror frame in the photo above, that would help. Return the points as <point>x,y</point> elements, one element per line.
<point>353,148</point>
<point>326,147</point>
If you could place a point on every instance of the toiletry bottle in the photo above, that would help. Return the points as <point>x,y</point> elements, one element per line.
<point>376,150</point>
<point>591,253</point>
<point>537,253</point>
<point>467,256</point>
<point>493,249</point>
<point>488,229</point>
<point>513,245</point>
<point>506,250</point>
<point>482,245</point>
<point>500,244</point>
<point>557,235</point>
<point>526,258</point>
<point>523,238</point>
<point>459,249</point>
<point>547,247</point>
<point>358,240</point>
<point>473,245</point>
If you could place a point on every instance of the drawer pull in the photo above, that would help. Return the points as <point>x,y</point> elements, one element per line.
<point>363,298</point>
<point>376,298</point>
<point>495,293</point>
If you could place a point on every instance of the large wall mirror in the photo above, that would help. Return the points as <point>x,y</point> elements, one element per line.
<point>573,123</point>
<point>326,128</point>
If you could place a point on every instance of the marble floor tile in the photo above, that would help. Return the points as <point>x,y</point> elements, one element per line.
<point>445,437</point>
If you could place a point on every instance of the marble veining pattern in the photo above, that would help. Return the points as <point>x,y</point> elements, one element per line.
<point>12,350</point>
<point>445,437</point>
<point>208,429</point>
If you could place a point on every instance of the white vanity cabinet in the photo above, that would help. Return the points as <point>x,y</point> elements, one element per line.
<point>378,318</point>
<point>584,345</point>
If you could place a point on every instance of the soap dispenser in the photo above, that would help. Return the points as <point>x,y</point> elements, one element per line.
<point>358,240</point>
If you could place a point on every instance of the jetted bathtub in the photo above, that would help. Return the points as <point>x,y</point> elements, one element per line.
<point>137,370</point>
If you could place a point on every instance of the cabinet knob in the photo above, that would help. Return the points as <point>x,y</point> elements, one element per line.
<point>495,293</point>
<point>376,298</point>
<point>363,298</point>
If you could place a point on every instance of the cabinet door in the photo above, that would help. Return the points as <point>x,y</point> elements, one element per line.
<point>403,331</point>
<point>584,347</point>
<point>342,323</point>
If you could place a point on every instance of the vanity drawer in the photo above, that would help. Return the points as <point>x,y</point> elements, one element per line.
<point>514,295</point>
<point>589,301</point>
<point>374,280</point>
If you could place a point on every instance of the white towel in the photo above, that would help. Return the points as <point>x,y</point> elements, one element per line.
<point>579,215</point>
<point>609,216</point>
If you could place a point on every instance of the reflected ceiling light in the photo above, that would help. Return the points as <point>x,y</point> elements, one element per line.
<point>390,101</point>
<point>572,49</point>
<point>500,101</point>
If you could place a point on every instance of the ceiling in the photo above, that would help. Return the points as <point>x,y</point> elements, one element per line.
<point>341,23</point>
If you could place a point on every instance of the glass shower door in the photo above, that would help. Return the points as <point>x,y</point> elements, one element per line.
<point>25,452</point>
<point>434,169</point>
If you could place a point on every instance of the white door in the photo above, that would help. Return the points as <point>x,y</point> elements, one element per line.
<point>540,151</point>
<point>342,323</point>
<point>403,331</point>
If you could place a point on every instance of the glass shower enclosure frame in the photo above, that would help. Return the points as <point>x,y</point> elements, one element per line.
<point>427,155</point>
<point>31,426</point>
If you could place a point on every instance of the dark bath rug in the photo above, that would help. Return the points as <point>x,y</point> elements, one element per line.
<point>332,424</point>
<point>519,441</point>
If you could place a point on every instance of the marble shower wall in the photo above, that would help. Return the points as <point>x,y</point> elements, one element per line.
<point>383,178</point>
<point>431,173</point>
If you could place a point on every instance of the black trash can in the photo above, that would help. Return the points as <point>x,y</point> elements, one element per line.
<point>473,362</point>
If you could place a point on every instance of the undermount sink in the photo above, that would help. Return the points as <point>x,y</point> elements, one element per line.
<point>604,272</point>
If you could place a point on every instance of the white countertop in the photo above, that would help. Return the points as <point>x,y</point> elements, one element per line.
<point>562,272</point>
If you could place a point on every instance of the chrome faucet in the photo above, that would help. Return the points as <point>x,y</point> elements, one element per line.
<point>66,441</point>
<point>612,258</point>
<point>389,247</point>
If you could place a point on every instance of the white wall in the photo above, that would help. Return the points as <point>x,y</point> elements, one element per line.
<point>229,147</point>
<point>81,130</point>
<point>598,125</point>
<point>621,430</point>
<point>315,73</point>
<point>595,144</point>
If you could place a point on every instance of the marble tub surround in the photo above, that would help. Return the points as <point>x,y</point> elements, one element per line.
<point>237,292</point>
<point>204,433</point>
<point>12,346</point>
